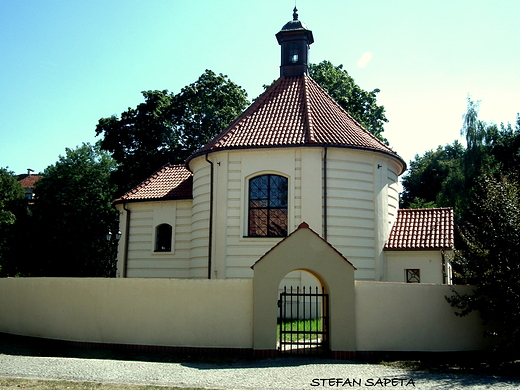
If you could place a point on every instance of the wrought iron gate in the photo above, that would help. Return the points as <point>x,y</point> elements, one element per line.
<point>303,321</point>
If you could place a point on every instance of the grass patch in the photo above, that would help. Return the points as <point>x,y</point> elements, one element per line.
<point>301,329</point>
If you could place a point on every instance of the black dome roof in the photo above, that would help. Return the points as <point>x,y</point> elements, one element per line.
<point>294,24</point>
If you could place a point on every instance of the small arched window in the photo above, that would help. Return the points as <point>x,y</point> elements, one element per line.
<point>163,238</point>
<point>267,206</point>
<point>293,53</point>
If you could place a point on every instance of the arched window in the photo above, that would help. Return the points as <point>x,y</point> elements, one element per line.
<point>293,53</point>
<point>163,238</point>
<point>267,206</point>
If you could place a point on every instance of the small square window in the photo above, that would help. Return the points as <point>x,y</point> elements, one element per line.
<point>413,276</point>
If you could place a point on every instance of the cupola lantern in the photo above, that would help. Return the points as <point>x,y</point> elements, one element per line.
<point>294,39</point>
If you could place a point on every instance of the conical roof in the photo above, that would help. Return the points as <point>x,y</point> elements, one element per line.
<point>295,111</point>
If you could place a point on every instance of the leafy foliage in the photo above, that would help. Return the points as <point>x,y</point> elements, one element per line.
<point>426,175</point>
<point>12,206</point>
<point>448,175</point>
<point>72,216</point>
<point>489,260</point>
<point>11,192</point>
<point>167,127</point>
<point>361,104</point>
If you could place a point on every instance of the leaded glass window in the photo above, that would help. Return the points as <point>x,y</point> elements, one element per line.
<point>268,206</point>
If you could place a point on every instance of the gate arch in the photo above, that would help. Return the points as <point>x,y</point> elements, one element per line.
<point>304,250</point>
<point>303,316</point>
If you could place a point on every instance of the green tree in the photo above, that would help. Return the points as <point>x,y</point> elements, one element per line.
<point>11,193</point>
<point>489,260</point>
<point>504,146</point>
<point>448,176</point>
<point>168,128</point>
<point>73,214</point>
<point>12,205</point>
<point>479,135</point>
<point>426,175</point>
<point>361,104</point>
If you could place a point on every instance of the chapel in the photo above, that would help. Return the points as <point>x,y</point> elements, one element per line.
<point>293,158</point>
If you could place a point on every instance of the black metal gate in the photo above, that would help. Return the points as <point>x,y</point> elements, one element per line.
<point>303,321</point>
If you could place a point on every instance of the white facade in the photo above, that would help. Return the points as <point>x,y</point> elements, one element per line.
<point>361,201</point>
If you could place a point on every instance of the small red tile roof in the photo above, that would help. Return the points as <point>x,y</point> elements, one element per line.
<point>28,181</point>
<point>422,229</point>
<point>169,182</point>
<point>295,111</point>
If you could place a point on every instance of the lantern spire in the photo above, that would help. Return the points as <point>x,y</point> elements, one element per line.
<point>294,39</point>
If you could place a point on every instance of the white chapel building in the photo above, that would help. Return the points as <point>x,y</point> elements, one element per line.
<point>293,157</point>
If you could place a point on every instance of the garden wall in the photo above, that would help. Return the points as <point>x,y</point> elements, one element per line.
<point>413,317</point>
<point>219,313</point>
<point>171,312</point>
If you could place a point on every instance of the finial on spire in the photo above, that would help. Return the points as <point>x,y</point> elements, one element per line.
<point>295,13</point>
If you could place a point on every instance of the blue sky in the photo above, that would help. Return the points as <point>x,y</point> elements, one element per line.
<point>66,64</point>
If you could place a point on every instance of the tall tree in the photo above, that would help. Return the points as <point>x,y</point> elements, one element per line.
<point>489,260</point>
<point>73,214</point>
<point>361,104</point>
<point>167,127</point>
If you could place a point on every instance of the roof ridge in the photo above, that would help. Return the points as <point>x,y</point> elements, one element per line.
<point>234,126</point>
<point>309,128</point>
<point>349,115</point>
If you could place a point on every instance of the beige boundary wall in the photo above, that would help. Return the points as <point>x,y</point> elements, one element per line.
<point>219,313</point>
<point>413,317</point>
<point>170,312</point>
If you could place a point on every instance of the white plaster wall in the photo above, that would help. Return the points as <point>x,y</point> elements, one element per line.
<point>362,202</point>
<point>200,218</point>
<point>142,260</point>
<point>429,262</point>
<point>362,205</point>
<point>233,252</point>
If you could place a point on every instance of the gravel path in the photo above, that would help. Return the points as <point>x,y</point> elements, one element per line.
<point>280,374</point>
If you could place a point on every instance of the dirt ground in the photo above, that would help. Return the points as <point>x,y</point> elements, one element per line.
<point>33,384</point>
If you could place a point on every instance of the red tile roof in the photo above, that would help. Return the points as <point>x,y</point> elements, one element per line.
<point>295,111</point>
<point>28,181</point>
<point>422,229</point>
<point>169,182</point>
